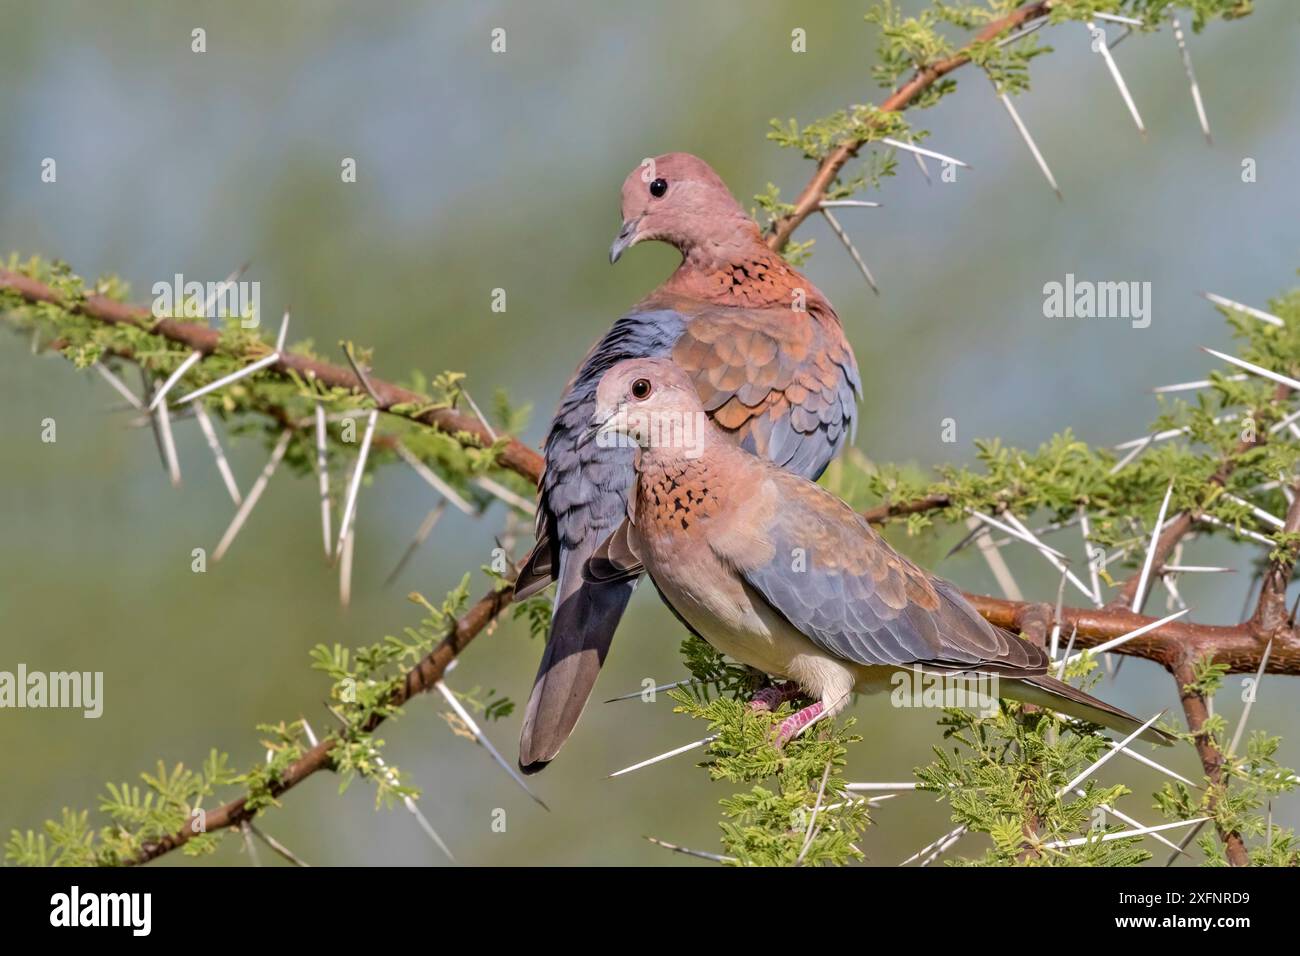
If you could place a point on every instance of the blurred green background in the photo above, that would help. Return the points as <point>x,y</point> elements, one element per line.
<point>478,171</point>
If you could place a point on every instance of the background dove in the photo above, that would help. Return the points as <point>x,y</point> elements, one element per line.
<point>767,357</point>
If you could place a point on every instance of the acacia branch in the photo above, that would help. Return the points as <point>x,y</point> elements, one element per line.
<point>810,199</point>
<point>418,679</point>
<point>515,456</point>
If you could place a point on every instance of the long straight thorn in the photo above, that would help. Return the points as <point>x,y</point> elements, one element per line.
<point>1267,373</point>
<point>265,362</point>
<point>664,756</point>
<point>350,507</point>
<point>1140,595</point>
<point>172,379</point>
<point>1099,46</point>
<point>1232,306</point>
<point>223,466</point>
<point>482,739</point>
<point>1029,141</point>
<point>323,479</point>
<point>118,385</point>
<point>422,533</point>
<point>254,493</point>
<point>431,476</point>
<point>920,151</point>
<point>1191,75</point>
<point>853,252</point>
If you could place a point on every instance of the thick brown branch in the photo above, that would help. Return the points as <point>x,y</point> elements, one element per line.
<point>419,679</point>
<point>1233,645</point>
<point>516,456</point>
<point>828,169</point>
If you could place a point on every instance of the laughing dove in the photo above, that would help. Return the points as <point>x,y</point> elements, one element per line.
<point>768,360</point>
<point>779,574</point>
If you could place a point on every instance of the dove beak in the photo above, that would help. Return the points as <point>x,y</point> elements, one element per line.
<point>604,421</point>
<point>626,237</point>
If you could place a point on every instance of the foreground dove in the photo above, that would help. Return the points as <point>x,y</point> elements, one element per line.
<point>768,360</point>
<point>778,573</point>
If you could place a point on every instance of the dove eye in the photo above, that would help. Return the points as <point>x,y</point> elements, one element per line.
<point>658,188</point>
<point>641,389</point>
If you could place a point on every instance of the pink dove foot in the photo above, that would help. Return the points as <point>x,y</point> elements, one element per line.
<point>774,695</point>
<point>796,723</point>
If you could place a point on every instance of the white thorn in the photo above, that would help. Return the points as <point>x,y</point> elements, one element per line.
<point>323,478</point>
<point>223,466</point>
<point>997,564</point>
<point>1257,511</point>
<point>479,414</point>
<point>505,494</point>
<point>1106,757</point>
<point>702,854</point>
<point>1029,141</point>
<point>1190,386</point>
<point>284,333</point>
<point>346,547</point>
<point>118,385</point>
<point>1015,533</point>
<point>1191,75</point>
<point>1115,18</point>
<point>225,380</point>
<point>354,488</point>
<point>430,476</point>
<point>1140,595</point>
<point>1122,639</point>
<point>920,151</point>
<point>705,741</point>
<point>1022,33</point>
<point>1244,532</point>
<point>1250,701</point>
<point>482,739</point>
<point>254,493</point>
<point>1122,835</point>
<point>172,379</point>
<point>1121,815</point>
<point>847,204</point>
<point>1257,369</point>
<point>1099,39</point>
<point>1232,306</point>
<point>853,252</point>
<point>1053,558</point>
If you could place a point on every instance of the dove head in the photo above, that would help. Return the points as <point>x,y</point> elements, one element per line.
<point>652,404</point>
<point>678,199</point>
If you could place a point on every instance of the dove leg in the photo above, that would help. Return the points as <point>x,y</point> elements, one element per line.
<point>797,723</point>
<point>774,695</point>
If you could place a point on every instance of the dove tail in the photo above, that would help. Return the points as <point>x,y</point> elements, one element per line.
<point>583,622</point>
<point>1053,694</point>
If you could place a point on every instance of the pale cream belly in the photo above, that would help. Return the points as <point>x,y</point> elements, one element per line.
<point>750,632</point>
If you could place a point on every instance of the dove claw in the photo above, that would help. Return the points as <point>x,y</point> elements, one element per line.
<point>797,723</point>
<point>773,696</point>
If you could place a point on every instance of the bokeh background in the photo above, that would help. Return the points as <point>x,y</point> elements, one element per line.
<point>479,171</point>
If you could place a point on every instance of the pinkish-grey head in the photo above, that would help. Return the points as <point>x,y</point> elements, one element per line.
<point>649,402</point>
<point>678,199</point>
